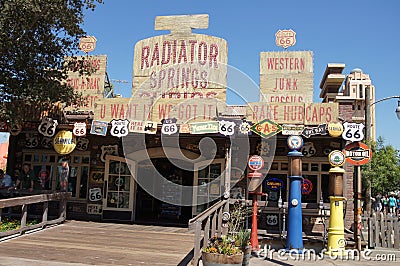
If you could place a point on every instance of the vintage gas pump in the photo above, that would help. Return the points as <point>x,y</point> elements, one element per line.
<point>336,240</point>
<point>255,189</point>
<point>294,240</point>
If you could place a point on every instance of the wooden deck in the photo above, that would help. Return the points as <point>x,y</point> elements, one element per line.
<point>89,243</point>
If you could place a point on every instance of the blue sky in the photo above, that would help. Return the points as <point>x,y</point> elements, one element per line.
<point>362,34</point>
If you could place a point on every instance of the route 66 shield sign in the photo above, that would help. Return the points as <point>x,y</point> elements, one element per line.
<point>353,131</point>
<point>48,127</point>
<point>226,128</point>
<point>119,128</point>
<point>285,38</point>
<point>169,126</point>
<point>79,129</point>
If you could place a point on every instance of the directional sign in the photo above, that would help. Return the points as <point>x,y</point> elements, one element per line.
<point>266,128</point>
<point>357,153</point>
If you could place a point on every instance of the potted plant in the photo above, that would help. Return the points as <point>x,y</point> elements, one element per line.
<point>242,240</point>
<point>222,251</point>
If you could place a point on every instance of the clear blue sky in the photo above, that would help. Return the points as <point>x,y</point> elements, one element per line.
<point>362,34</point>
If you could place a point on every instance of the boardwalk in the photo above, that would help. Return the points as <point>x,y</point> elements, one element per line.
<point>88,243</point>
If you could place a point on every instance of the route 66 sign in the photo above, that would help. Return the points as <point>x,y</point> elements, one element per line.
<point>353,131</point>
<point>245,128</point>
<point>48,127</point>
<point>272,219</point>
<point>119,128</point>
<point>82,144</point>
<point>226,128</point>
<point>79,129</point>
<point>31,140</point>
<point>308,149</point>
<point>169,126</point>
<point>285,38</point>
<point>108,150</point>
<point>87,44</point>
<point>47,142</point>
<point>95,194</point>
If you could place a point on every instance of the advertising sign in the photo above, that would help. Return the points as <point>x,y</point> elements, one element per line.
<point>357,153</point>
<point>256,162</point>
<point>335,129</point>
<point>64,142</point>
<point>99,128</point>
<point>336,158</point>
<point>295,142</point>
<point>204,127</point>
<point>273,184</point>
<point>266,128</point>
<point>307,186</point>
<point>289,130</point>
<point>312,131</point>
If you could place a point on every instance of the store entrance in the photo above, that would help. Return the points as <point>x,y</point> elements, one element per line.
<point>152,209</point>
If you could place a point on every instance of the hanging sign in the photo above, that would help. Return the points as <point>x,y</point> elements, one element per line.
<point>336,158</point>
<point>64,142</point>
<point>108,150</point>
<point>357,153</point>
<point>312,131</point>
<point>204,127</point>
<point>47,143</point>
<point>306,187</point>
<point>295,142</point>
<point>99,128</point>
<point>226,128</point>
<point>308,149</point>
<point>31,140</point>
<point>292,129</point>
<point>285,38</point>
<point>266,128</point>
<point>353,131</point>
<point>82,144</point>
<point>335,129</point>
<point>169,126</point>
<point>47,127</point>
<point>273,184</point>
<point>79,129</point>
<point>119,128</point>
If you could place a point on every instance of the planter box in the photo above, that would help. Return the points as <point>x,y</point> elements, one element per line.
<point>214,259</point>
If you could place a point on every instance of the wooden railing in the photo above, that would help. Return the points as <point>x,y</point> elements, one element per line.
<point>25,201</point>
<point>206,225</point>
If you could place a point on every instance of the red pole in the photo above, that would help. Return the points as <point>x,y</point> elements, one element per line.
<point>254,231</point>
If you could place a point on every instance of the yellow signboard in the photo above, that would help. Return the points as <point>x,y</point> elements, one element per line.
<point>64,142</point>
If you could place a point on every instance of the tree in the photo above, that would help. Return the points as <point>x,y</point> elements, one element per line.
<point>383,171</point>
<point>35,36</point>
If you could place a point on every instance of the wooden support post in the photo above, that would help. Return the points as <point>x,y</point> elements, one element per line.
<point>24,216</point>
<point>197,240</point>
<point>45,212</point>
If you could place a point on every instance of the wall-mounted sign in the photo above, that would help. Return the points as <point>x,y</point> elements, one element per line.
<point>353,131</point>
<point>290,130</point>
<point>169,126</point>
<point>306,187</point>
<point>48,127</point>
<point>263,148</point>
<point>357,153</point>
<point>256,162</point>
<point>94,208</point>
<point>119,128</point>
<point>295,142</point>
<point>336,158</point>
<point>31,140</point>
<point>79,129</point>
<point>308,149</point>
<point>184,129</point>
<point>95,194</point>
<point>15,129</point>
<point>204,127</point>
<point>272,219</point>
<point>97,176</point>
<point>335,129</point>
<point>87,44</point>
<point>82,144</point>
<point>64,142</point>
<point>108,150</point>
<point>245,128</point>
<point>266,128</point>
<point>46,143</point>
<point>285,38</point>
<point>273,184</point>
<point>227,128</point>
<point>99,128</point>
<point>312,131</point>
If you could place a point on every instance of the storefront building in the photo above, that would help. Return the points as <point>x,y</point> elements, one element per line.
<point>177,126</point>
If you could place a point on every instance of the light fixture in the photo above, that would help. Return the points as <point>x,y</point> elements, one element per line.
<point>398,110</point>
